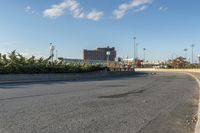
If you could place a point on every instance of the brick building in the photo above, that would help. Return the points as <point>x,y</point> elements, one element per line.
<point>99,54</point>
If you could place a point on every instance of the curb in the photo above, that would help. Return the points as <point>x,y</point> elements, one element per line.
<point>31,81</point>
<point>70,78</point>
<point>197,128</point>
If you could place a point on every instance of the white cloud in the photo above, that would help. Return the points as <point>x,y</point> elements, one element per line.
<point>124,7</point>
<point>162,8</point>
<point>29,9</point>
<point>141,9</point>
<point>95,15</point>
<point>74,8</point>
<point>55,10</point>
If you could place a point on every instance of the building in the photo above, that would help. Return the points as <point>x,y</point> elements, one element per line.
<point>100,54</point>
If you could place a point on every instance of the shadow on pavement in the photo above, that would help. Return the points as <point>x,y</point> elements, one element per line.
<point>124,94</point>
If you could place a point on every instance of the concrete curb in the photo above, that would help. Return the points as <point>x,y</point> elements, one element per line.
<point>197,128</point>
<point>33,78</point>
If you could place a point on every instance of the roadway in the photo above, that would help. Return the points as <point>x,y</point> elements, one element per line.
<point>160,103</point>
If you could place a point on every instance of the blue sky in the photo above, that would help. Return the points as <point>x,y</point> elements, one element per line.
<point>163,27</point>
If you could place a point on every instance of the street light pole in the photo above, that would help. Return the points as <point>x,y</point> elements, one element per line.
<point>137,53</point>
<point>144,54</point>
<point>56,55</point>
<point>199,60</point>
<point>108,55</point>
<point>134,58</point>
<point>52,48</point>
<point>126,59</point>
<point>192,46</point>
<point>186,53</point>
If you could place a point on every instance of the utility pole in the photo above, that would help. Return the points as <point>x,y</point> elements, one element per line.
<point>192,46</point>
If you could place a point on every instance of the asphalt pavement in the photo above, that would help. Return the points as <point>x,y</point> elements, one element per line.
<point>160,103</point>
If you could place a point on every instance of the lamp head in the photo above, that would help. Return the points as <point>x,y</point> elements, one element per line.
<point>108,53</point>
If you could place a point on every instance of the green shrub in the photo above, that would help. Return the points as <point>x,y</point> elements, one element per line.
<point>15,63</point>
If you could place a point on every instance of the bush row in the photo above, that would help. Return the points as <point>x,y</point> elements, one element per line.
<point>15,63</point>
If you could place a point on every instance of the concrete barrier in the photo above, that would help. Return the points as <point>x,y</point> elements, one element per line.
<point>22,78</point>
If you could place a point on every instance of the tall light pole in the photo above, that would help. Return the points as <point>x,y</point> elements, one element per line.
<point>199,59</point>
<point>50,51</point>
<point>108,57</point>
<point>134,49</point>
<point>185,50</point>
<point>52,48</point>
<point>144,54</point>
<point>137,53</point>
<point>56,55</point>
<point>192,46</point>
<point>127,59</point>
